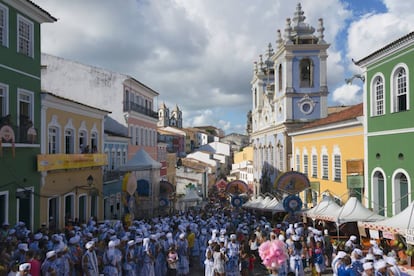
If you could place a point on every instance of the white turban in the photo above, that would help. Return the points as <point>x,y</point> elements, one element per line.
<point>25,266</point>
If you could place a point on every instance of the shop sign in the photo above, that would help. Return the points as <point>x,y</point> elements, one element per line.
<point>409,236</point>
<point>355,181</point>
<point>388,235</point>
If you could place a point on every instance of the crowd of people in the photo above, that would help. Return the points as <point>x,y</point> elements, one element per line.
<point>221,242</point>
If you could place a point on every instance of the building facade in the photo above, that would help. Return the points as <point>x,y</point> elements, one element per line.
<point>389,129</point>
<point>131,102</point>
<point>289,89</point>
<point>72,172</point>
<point>242,167</point>
<point>20,24</point>
<point>330,151</point>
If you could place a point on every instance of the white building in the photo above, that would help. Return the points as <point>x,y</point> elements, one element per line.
<point>289,89</point>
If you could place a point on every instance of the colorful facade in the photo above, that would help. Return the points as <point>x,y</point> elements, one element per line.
<point>20,110</point>
<point>389,125</point>
<point>330,152</point>
<point>71,162</point>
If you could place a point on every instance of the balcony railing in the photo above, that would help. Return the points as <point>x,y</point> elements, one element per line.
<point>131,106</point>
<point>50,162</point>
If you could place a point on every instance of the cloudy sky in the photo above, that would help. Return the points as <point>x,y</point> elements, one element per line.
<point>199,54</point>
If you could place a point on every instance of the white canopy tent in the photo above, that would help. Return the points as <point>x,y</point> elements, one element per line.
<point>354,211</point>
<point>327,209</point>
<point>397,224</point>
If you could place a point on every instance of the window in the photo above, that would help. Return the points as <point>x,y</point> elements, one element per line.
<point>69,141</point>
<point>379,195</point>
<point>297,162</point>
<point>306,72</point>
<point>314,166</point>
<point>280,75</point>
<point>25,36</point>
<point>94,142</point>
<point>113,161</point>
<point>281,163</point>
<point>378,108</point>
<point>305,163</point>
<point>400,97</point>
<point>325,165</point>
<point>402,190</point>
<point>118,159</point>
<point>4,27</point>
<point>337,167</point>
<point>4,99</point>
<point>25,107</point>
<point>83,146</point>
<point>401,90</point>
<point>53,141</point>
<point>137,136</point>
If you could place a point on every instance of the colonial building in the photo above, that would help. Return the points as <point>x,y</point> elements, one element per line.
<point>289,89</point>
<point>20,24</point>
<point>388,109</point>
<point>71,186</point>
<point>130,101</point>
<point>330,151</point>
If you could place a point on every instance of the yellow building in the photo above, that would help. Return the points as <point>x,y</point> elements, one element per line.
<point>242,167</point>
<point>330,151</point>
<point>71,161</point>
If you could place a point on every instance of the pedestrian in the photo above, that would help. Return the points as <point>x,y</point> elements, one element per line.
<point>24,269</point>
<point>219,259</point>
<point>183,265</point>
<point>172,259</point>
<point>90,261</point>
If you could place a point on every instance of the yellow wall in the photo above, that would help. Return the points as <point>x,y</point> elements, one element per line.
<point>61,183</point>
<point>350,141</point>
<point>245,155</point>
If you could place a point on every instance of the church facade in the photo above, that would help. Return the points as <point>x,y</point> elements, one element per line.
<point>289,89</point>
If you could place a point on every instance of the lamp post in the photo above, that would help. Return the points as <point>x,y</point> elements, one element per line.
<point>89,180</point>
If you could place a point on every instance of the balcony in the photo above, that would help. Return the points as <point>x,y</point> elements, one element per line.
<point>24,134</point>
<point>50,162</point>
<point>131,106</point>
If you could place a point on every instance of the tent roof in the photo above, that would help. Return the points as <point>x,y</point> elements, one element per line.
<point>327,209</point>
<point>353,210</point>
<point>141,161</point>
<point>191,195</point>
<point>396,224</point>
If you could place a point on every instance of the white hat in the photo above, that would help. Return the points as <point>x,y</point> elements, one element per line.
<point>369,257</point>
<point>131,242</point>
<point>377,251</point>
<point>23,246</point>
<point>380,264</point>
<point>74,240</point>
<point>25,266</point>
<point>357,251</point>
<point>111,244</point>
<point>341,254</point>
<point>295,238</point>
<point>391,260</point>
<point>89,244</point>
<point>353,238</point>
<point>182,236</point>
<point>38,236</point>
<point>281,237</point>
<point>50,254</point>
<point>368,265</point>
<point>233,236</point>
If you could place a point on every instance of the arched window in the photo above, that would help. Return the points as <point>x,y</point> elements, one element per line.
<point>400,97</point>
<point>314,163</point>
<point>53,136</point>
<point>306,73</point>
<point>305,162</point>
<point>378,96</point>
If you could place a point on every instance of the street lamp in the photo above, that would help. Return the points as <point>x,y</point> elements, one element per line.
<point>89,180</point>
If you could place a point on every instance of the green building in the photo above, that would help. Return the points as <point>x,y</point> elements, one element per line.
<point>389,126</point>
<point>20,110</point>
